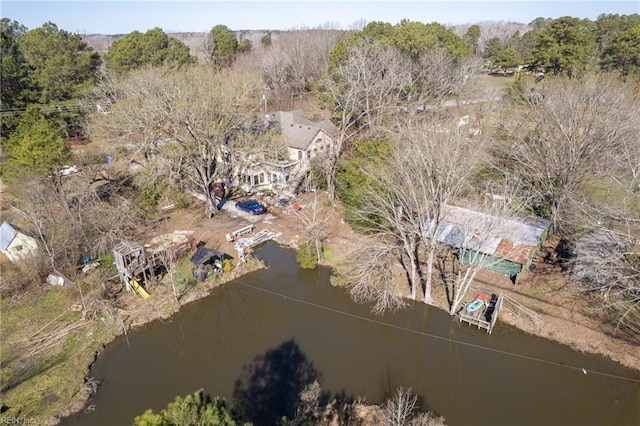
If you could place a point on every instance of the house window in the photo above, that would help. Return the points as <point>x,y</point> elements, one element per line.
<point>255,179</point>
<point>18,248</point>
<point>299,155</point>
<point>261,176</point>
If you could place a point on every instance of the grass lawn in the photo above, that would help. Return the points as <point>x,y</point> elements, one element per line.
<point>492,82</point>
<point>46,347</point>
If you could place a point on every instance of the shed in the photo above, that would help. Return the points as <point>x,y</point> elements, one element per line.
<point>508,248</point>
<point>206,259</point>
<point>14,243</point>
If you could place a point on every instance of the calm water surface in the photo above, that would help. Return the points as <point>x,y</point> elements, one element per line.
<point>258,340</point>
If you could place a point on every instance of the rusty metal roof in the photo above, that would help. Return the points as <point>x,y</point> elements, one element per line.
<point>510,239</point>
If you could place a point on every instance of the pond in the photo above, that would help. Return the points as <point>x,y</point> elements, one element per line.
<point>258,340</point>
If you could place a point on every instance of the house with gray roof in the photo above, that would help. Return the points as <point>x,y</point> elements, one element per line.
<point>15,244</point>
<point>304,139</point>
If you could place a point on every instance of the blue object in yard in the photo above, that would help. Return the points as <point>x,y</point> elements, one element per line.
<point>222,202</point>
<point>251,206</point>
<point>86,260</point>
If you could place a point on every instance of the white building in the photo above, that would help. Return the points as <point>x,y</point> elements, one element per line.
<point>15,244</point>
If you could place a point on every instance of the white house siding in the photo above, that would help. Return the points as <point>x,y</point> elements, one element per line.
<point>21,247</point>
<point>319,145</point>
<point>264,177</point>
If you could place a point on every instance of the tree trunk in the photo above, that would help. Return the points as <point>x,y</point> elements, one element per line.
<point>331,179</point>
<point>410,274</point>
<point>319,250</point>
<point>210,205</point>
<point>173,285</point>
<point>555,214</point>
<point>428,282</point>
<point>410,249</point>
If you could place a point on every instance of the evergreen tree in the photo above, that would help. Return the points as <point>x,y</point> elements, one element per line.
<point>36,146</point>
<point>61,65</point>
<point>507,59</point>
<point>471,37</point>
<point>492,48</point>
<point>623,53</point>
<point>222,45</point>
<point>195,409</point>
<point>15,90</point>
<point>153,48</point>
<point>265,40</point>
<point>565,46</point>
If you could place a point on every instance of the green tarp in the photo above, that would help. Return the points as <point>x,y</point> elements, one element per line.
<point>490,263</point>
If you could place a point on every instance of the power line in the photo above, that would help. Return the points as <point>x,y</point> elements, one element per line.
<point>47,109</point>
<point>446,339</point>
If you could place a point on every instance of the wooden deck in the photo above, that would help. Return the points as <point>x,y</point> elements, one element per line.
<point>479,317</point>
<point>257,239</point>
<point>243,245</point>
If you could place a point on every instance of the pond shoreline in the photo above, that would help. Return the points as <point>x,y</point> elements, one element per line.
<point>136,322</point>
<point>614,349</point>
<point>234,296</point>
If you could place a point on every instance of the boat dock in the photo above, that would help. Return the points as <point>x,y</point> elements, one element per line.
<point>244,244</point>
<point>484,317</point>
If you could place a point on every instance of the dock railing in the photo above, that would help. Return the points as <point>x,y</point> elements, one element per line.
<point>478,320</point>
<point>232,236</point>
<point>526,314</point>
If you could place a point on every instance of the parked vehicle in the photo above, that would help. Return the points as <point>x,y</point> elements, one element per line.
<point>251,206</point>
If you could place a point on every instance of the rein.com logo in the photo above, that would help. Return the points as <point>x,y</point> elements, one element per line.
<point>17,421</point>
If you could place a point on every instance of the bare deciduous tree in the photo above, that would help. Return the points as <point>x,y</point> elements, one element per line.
<point>72,221</point>
<point>430,166</point>
<point>436,165</point>
<point>199,120</point>
<point>439,76</point>
<point>401,410</point>
<point>293,63</point>
<point>607,263</point>
<point>368,273</point>
<point>307,410</point>
<point>316,220</point>
<point>562,133</point>
<point>358,90</point>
